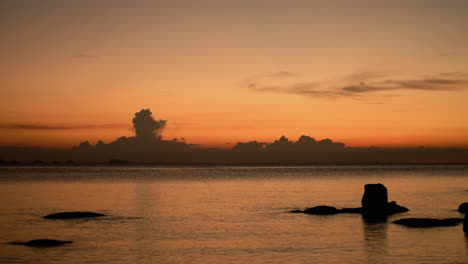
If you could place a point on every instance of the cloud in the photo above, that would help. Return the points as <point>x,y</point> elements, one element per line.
<point>145,126</point>
<point>61,127</point>
<point>362,84</point>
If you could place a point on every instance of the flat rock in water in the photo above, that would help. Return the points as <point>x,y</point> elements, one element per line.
<point>328,210</point>
<point>322,210</point>
<point>43,243</point>
<point>296,211</point>
<point>73,215</point>
<point>428,222</point>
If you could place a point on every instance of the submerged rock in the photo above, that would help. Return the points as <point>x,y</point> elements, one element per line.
<point>42,243</point>
<point>463,208</point>
<point>428,222</point>
<point>72,215</point>
<point>322,210</point>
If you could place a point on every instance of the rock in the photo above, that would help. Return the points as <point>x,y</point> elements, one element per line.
<point>73,215</point>
<point>375,199</point>
<point>322,210</point>
<point>296,211</point>
<point>43,243</point>
<point>328,210</point>
<point>375,203</point>
<point>463,208</point>
<point>394,208</point>
<point>428,222</point>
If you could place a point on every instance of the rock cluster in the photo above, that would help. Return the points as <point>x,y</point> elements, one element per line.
<point>374,203</point>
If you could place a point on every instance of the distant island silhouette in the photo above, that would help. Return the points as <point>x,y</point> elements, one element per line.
<point>148,147</point>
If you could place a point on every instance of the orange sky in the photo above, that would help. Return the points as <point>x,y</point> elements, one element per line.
<point>385,73</point>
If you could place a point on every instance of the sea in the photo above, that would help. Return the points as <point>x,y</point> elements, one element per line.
<point>228,214</point>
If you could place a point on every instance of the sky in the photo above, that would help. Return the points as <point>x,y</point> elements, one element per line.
<point>382,73</point>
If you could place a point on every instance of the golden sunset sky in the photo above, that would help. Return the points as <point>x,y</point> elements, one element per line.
<point>384,73</point>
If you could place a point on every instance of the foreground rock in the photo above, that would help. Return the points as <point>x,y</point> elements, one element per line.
<point>428,222</point>
<point>463,208</point>
<point>73,215</point>
<point>375,203</point>
<point>43,243</point>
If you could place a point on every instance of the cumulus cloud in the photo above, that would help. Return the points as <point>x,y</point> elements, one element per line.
<point>145,126</point>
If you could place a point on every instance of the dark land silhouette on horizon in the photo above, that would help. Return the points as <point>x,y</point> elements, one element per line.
<point>149,147</point>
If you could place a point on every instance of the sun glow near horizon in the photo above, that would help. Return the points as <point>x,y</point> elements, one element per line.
<point>362,72</point>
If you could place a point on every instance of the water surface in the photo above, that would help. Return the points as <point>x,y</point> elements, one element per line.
<point>227,214</point>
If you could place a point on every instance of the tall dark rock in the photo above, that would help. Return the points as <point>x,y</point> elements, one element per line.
<point>375,205</point>
<point>375,200</point>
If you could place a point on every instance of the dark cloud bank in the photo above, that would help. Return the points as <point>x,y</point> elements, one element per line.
<point>147,146</point>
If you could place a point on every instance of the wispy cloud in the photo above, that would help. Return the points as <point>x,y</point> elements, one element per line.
<point>360,84</point>
<point>61,127</point>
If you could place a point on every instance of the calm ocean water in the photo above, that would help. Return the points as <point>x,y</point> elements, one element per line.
<point>227,215</point>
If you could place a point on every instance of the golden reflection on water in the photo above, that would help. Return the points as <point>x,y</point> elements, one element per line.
<point>239,219</point>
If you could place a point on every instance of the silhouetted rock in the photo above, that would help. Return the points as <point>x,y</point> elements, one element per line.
<point>322,210</point>
<point>463,208</point>
<point>375,199</point>
<point>375,203</point>
<point>428,222</point>
<point>296,211</point>
<point>42,243</point>
<point>73,215</point>
<point>328,210</point>
<point>394,208</point>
